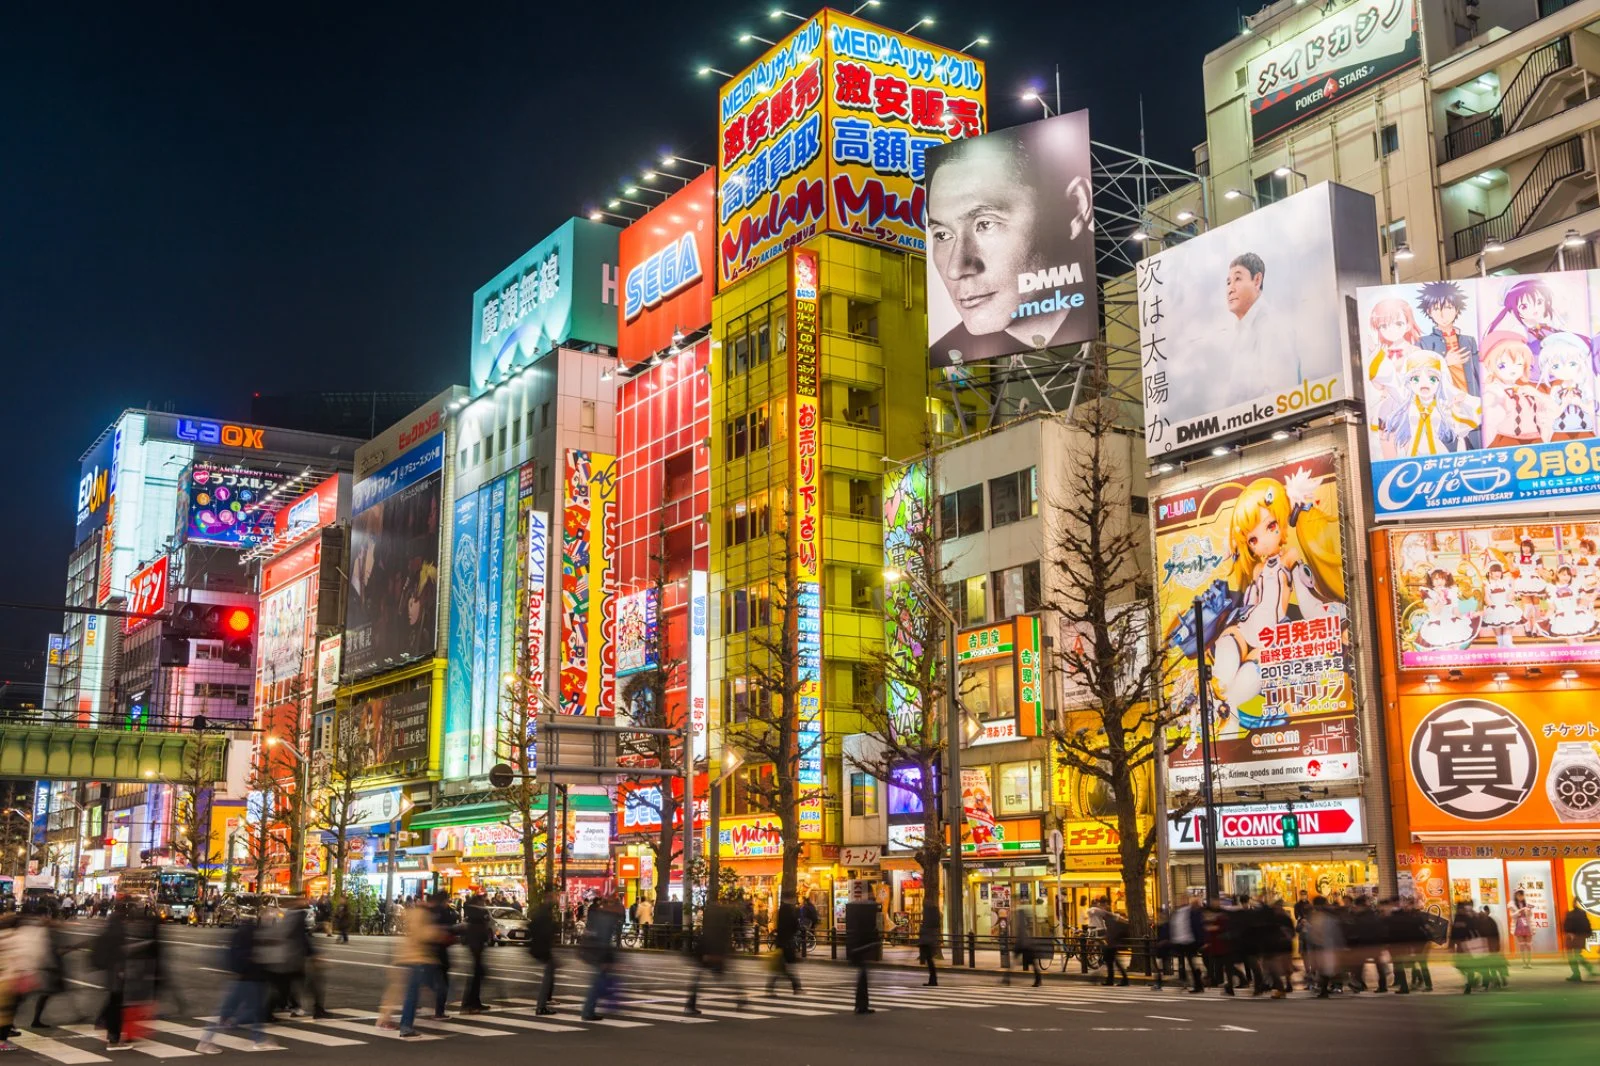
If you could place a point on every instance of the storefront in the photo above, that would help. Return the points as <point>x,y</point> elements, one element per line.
<point>1325,853</point>
<point>477,847</point>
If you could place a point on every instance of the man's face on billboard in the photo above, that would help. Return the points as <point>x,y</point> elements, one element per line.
<point>1243,290</point>
<point>981,224</point>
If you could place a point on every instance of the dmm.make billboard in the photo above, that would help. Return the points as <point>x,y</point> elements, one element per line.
<point>1263,554</point>
<point>1481,394</point>
<point>666,265</point>
<point>829,131</point>
<point>1246,325</point>
<point>563,288</point>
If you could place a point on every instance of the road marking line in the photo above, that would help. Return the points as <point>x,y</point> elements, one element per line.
<point>195,1032</point>
<point>149,1047</point>
<point>55,1049</point>
<point>1167,1018</point>
<point>309,1036</point>
<point>1081,1010</point>
<point>426,1023</point>
<point>367,1030</point>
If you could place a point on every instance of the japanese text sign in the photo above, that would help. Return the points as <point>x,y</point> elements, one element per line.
<point>147,593</point>
<point>805,447</point>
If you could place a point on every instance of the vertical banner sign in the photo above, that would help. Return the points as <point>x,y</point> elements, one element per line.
<point>483,685</point>
<point>509,551</point>
<point>538,579</point>
<point>463,600</point>
<point>806,527</point>
<point>907,513</point>
<point>486,711</point>
<point>1030,676</point>
<point>699,659</point>
<point>588,585</point>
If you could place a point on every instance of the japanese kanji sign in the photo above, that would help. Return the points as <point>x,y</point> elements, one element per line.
<point>232,506</point>
<point>805,525</point>
<point>1352,49</point>
<point>1264,553</point>
<point>830,130</point>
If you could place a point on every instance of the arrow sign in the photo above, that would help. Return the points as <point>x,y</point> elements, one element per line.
<point>1260,825</point>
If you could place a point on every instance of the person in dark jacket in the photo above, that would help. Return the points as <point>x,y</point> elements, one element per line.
<point>542,925</point>
<point>245,997</point>
<point>110,957</point>
<point>786,931</point>
<point>928,940</point>
<point>713,949</point>
<point>1575,931</point>
<point>863,943</point>
<point>343,919</point>
<point>604,918</point>
<point>52,968</point>
<point>1467,946</point>
<point>477,935</point>
<point>808,923</point>
<point>445,919</point>
<point>1495,968</point>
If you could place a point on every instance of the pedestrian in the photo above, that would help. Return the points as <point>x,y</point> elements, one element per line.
<point>1325,938</point>
<point>712,951</point>
<point>863,944</point>
<point>1494,958</point>
<point>418,953</point>
<point>644,918</point>
<point>311,972</point>
<point>13,977</point>
<point>1302,926</point>
<point>1277,946</point>
<point>476,935</point>
<point>542,926</point>
<point>1522,928</point>
<point>245,996</point>
<point>928,939</point>
<point>1114,930</point>
<point>343,919</point>
<point>281,948</point>
<point>1575,931</point>
<point>40,945</point>
<point>110,957</point>
<point>808,925</point>
<point>439,910</point>
<point>785,935</point>
<point>1187,922</point>
<point>1468,946</point>
<point>1027,946</point>
<point>599,949</point>
<point>1163,948</point>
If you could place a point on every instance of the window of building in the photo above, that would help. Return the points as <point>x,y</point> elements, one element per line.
<point>863,499</point>
<point>586,414</point>
<point>961,512</point>
<point>544,478</point>
<point>461,460</point>
<point>1016,591</point>
<point>863,795</point>
<point>503,430</point>
<point>1388,140</point>
<point>678,475</point>
<point>1395,235</point>
<point>207,649</point>
<point>967,600</point>
<point>863,319</point>
<point>1239,77</point>
<point>1270,188</point>
<point>989,690</point>
<point>1021,787</point>
<point>747,608</point>
<point>742,698</point>
<point>516,431</point>
<point>748,433</point>
<point>1139,504</point>
<point>862,406</point>
<point>488,447</point>
<point>1014,497</point>
<point>780,329</point>
<point>544,415</point>
<point>747,520</point>
<point>865,589</point>
<point>477,452</point>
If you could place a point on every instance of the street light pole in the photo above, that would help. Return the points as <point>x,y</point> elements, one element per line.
<point>1208,838</point>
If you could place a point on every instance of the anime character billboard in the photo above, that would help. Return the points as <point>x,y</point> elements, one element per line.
<point>1480,393</point>
<point>1262,556</point>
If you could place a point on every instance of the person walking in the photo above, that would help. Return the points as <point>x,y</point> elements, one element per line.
<point>928,937</point>
<point>245,996</point>
<point>41,949</point>
<point>13,976</point>
<point>1027,945</point>
<point>418,952</point>
<point>1114,929</point>
<point>786,935</point>
<point>1575,931</point>
<point>863,944</point>
<point>343,918</point>
<point>110,957</point>
<point>1468,946</point>
<point>542,927</point>
<point>712,951</point>
<point>1325,938</point>
<point>1184,928</point>
<point>644,916</point>
<point>476,935</point>
<point>1522,928</point>
<point>599,945</point>
<point>446,933</point>
<point>1494,958</point>
<point>808,925</point>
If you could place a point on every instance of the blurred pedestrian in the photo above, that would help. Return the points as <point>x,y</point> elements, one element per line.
<point>712,950</point>
<point>446,933</point>
<point>45,956</point>
<point>1494,964</point>
<point>419,955</point>
<point>477,934</point>
<point>109,956</point>
<point>599,948</point>
<point>542,930</point>
<point>1325,938</point>
<point>1114,930</point>
<point>1468,946</point>
<point>863,944</point>
<point>1028,946</point>
<point>343,918</point>
<point>1575,931</point>
<point>1187,926</point>
<point>644,917</point>
<point>808,925</point>
<point>13,977</point>
<point>245,997</point>
<point>928,938</point>
<point>786,936</point>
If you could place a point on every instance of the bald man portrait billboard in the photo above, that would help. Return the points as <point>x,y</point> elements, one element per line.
<point>1011,242</point>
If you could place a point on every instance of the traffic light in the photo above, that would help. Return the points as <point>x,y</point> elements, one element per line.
<point>1291,828</point>
<point>233,625</point>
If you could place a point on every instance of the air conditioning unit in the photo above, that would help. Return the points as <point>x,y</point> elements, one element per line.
<point>858,414</point>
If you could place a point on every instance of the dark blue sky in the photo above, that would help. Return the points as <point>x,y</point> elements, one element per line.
<point>201,201</point>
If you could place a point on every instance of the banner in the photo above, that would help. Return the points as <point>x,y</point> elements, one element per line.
<point>980,833</point>
<point>538,589</point>
<point>463,605</point>
<point>283,633</point>
<point>1322,823</point>
<point>329,659</point>
<point>1481,394</point>
<point>588,585</point>
<point>1010,261</point>
<point>907,520</point>
<point>699,661</point>
<point>396,725</point>
<point>636,632</point>
<point>805,457</point>
<point>667,271</point>
<point>1246,325</point>
<point>231,506</point>
<point>1519,759</point>
<point>1263,554</point>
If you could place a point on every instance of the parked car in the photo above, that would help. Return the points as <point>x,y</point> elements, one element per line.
<point>509,925</point>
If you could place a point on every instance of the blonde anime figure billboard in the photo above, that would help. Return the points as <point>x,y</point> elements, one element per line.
<point>1262,554</point>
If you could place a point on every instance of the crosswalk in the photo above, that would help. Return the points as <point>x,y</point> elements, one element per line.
<point>638,1005</point>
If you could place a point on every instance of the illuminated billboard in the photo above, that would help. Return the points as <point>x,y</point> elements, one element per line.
<point>391,616</point>
<point>907,522</point>
<point>564,288</point>
<point>1245,325</point>
<point>314,509</point>
<point>667,272</point>
<point>829,130</point>
<point>147,593</point>
<point>97,483</point>
<point>805,526</point>
<point>1011,242</point>
<point>230,506</point>
<point>636,632</point>
<point>283,633</point>
<point>588,585</point>
<point>395,725</point>
<point>1481,394</point>
<point>1263,555</point>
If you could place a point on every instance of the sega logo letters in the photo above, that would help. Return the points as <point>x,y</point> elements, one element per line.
<point>674,268</point>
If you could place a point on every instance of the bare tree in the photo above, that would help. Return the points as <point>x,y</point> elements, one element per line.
<point>192,803</point>
<point>347,758</point>
<point>264,833</point>
<point>517,746</point>
<point>645,696</point>
<point>769,733</point>
<point>1115,729</point>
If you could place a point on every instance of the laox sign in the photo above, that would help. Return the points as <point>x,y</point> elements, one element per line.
<point>202,431</point>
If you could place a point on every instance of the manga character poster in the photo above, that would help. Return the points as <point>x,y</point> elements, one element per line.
<point>1262,554</point>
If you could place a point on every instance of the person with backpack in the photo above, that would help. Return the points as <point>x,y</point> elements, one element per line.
<point>543,925</point>
<point>928,941</point>
<point>245,996</point>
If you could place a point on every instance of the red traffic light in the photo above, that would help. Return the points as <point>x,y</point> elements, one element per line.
<point>238,621</point>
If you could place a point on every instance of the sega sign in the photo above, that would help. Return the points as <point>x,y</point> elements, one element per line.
<point>666,272</point>
<point>227,434</point>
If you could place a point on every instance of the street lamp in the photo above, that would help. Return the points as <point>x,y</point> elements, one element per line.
<point>778,13</point>
<point>1235,194</point>
<point>925,20</point>
<point>743,37</point>
<point>701,72</point>
<point>954,731</point>
<point>1491,246</point>
<point>974,42</point>
<point>1034,97</point>
<point>1571,239</point>
<point>1287,171</point>
<point>1402,254</point>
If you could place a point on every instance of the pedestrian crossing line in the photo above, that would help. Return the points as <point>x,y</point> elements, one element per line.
<point>725,999</point>
<point>55,1049</point>
<point>508,1018</point>
<point>810,1000</point>
<point>365,1029</point>
<point>733,1015</point>
<point>422,1022</point>
<point>289,1032</point>
<point>614,1023</point>
<point>149,1047</point>
<point>193,1032</point>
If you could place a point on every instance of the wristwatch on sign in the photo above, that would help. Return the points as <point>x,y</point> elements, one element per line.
<point>1573,783</point>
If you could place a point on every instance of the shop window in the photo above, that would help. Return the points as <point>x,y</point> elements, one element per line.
<point>1021,787</point>
<point>1014,497</point>
<point>1016,591</point>
<point>967,600</point>
<point>678,474</point>
<point>863,795</point>
<point>961,513</point>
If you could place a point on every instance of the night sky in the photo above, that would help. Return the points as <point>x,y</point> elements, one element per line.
<point>198,202</point>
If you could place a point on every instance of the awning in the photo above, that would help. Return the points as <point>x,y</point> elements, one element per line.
<point>494,812</point>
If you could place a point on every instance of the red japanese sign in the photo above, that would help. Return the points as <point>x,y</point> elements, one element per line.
<point>147,593</point>
<point>666,271</point>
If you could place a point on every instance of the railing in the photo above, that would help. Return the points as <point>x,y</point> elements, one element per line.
<point>1540,66</point>
<point>1559,162</point>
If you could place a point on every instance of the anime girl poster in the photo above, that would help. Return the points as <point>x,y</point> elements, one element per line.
<point>1262,556</point>
<point>1417,404</point>
<point>1535,306</point>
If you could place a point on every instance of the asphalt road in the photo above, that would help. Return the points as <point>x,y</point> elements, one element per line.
<point>968,1018</point>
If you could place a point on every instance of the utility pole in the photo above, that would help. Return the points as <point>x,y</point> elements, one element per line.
<point>1209,837</point>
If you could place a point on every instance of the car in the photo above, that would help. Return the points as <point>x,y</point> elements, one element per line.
<point>509,924</point>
